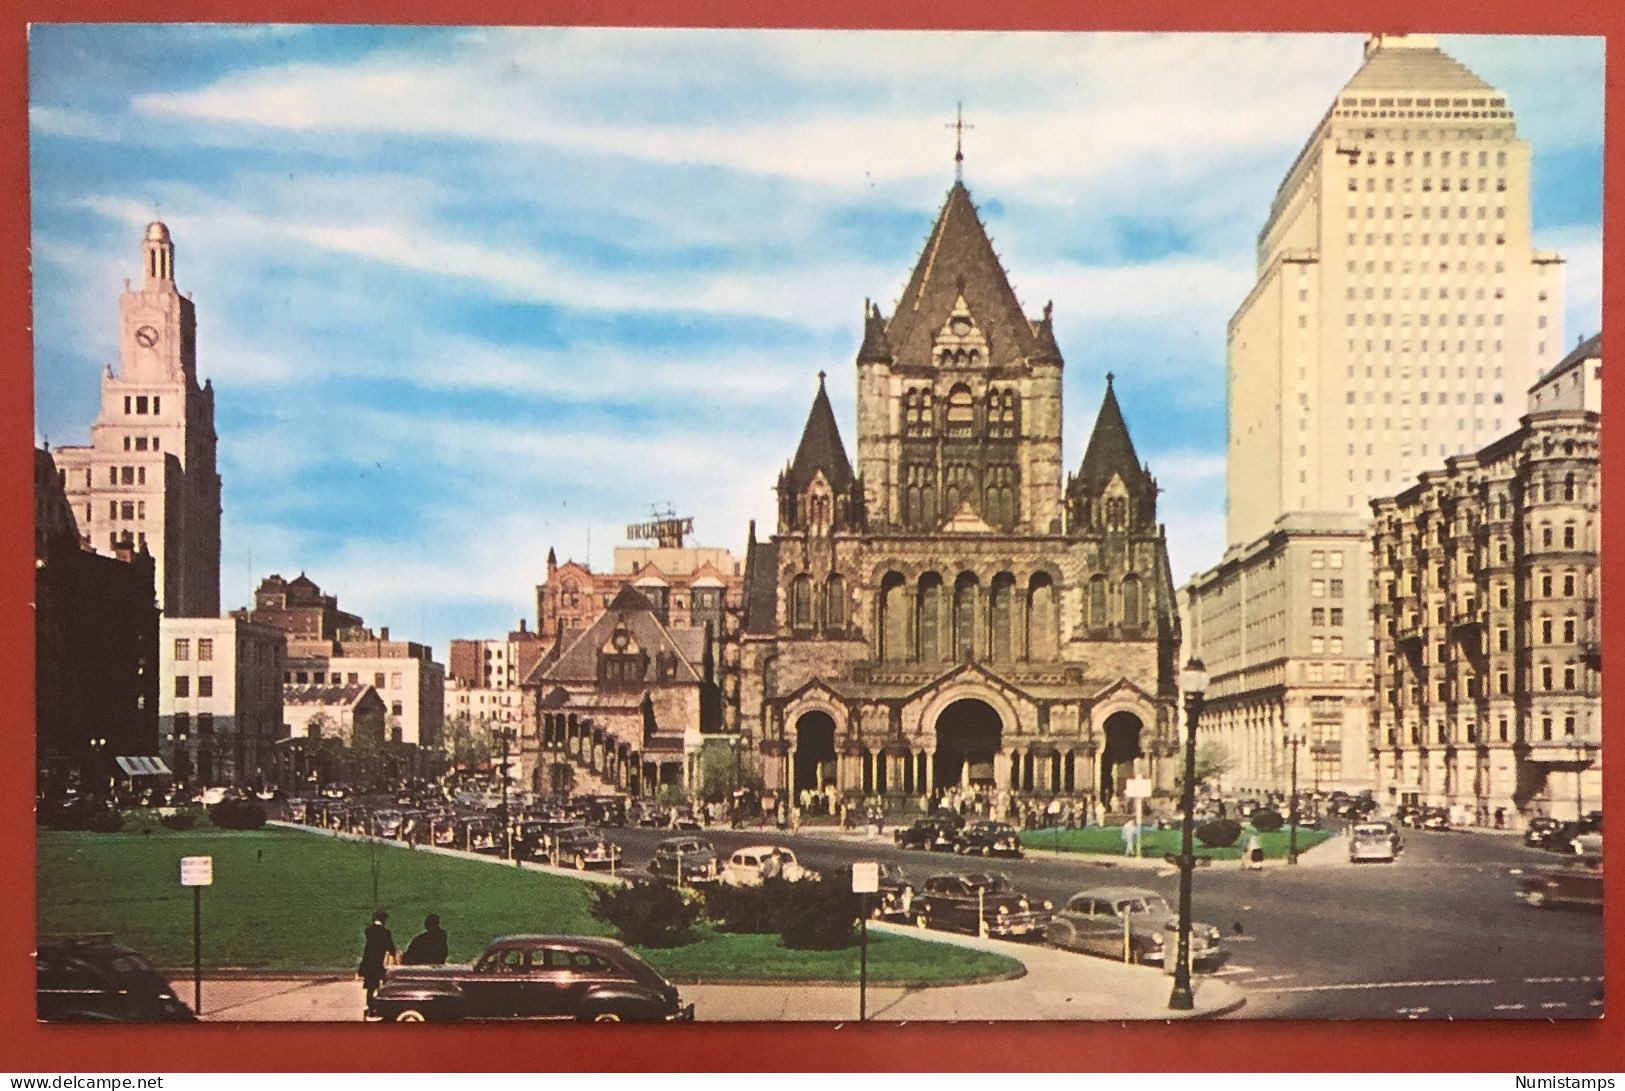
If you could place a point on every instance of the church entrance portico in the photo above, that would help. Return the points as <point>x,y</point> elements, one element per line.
<point>1123,731</point>
<point>813,761</point>
<point>969,735</point>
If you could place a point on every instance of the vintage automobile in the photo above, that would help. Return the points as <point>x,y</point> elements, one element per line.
<point>896,895</point>
<point>749,866</point>
<point>989,839</point>
<point>533,977</point>
<point>583,848</point>
<point>1104,920</point>
<point>1539,829</point>
<point>1579,884</point>
<point>1373,841</point>
<point>1435,818</point>
<point>937,832</point>
<point>980,904</point>
<point>685,860</point>
<point>88,979</point>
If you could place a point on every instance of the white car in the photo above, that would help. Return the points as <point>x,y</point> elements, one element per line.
<point>1374,841</point>
<point>746,866</point>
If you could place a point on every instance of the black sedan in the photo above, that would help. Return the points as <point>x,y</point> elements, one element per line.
<point>90,980</point>
<point>980,904</point>
<point>685,860</point>
<point>989,839</point>
<point>938,832</point>
<point>533,977</point>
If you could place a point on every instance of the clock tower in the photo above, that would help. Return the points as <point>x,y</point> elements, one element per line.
<point>148,482</point>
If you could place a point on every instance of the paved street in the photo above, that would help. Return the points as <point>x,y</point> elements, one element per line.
<point>1436,935</point>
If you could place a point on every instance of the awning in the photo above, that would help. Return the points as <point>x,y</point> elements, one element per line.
<point>142,767</point>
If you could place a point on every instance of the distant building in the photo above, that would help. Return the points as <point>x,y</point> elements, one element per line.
<point>1487,617</point>
<point>348,712</point>
<point>299,608</point>
<point>147,482</point>
<point>95,648</point>
<point>220,699</point>
<point>692,586</point>
<point>1285,635</point>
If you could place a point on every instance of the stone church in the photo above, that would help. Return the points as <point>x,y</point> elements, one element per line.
<point>946,613</point>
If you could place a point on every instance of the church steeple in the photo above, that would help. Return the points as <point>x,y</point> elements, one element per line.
<point>820,448</point>
<point>818,490</point>
<point>1111,470</point>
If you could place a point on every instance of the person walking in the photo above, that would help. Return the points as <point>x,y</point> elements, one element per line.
<point>428,947</point>
<point>377,952</point>
<point>1131,835</point>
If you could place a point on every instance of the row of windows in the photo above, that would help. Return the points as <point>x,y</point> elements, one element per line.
<point>336,678</point>
<point>1463,157</point>
<point>1470,731</point>
<point>182,726</point>
<point>1001,412</point>
<point>205,685</point>
<point>125,475</point>
<point>1320,558</point>
<point>139,443</point>
<point>1427,186</point>
<point>1318,589</point>
<point>1352,397</point>
<point>126,509</point>
<point>183,648</point>
<point>1427,239</point>
<point>137,404</point>
<point>1318,615</point>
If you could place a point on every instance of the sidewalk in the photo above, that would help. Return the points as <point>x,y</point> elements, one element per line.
<point>1152,865</point>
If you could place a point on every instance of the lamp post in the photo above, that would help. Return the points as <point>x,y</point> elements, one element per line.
<point>506,736</point>
<point>1192,681</point>
<point>1294,741</point>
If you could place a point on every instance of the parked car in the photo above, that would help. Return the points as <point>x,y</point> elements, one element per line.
<point>92,980</point>
<point>989,839</point>
<point>685,860</point>
<point>1579,884</point>
<point>937,832</point>
<point>1535,834</point>
<point>749,866</point>
<point>980,904</point>
<point>1373,841</point>
<point>1095,921</point>
<point>896,895</point>
<point>1435,818</point>
<point>533,977</point>
<point>582,848</point>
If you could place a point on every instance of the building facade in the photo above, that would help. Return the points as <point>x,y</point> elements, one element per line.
<point>1487,619</point>
<point>95,647</point>
<point>1285,635</point>
<point>147,481</point>
<point>220,700</point>
<point>948,615</point>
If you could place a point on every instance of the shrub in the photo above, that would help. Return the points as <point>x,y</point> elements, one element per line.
<point>179,820</point>
<point>646,913</point>
<point>1267,821</point>
<point>752,909</point>
<point>823,915</point>
<point>1220,833</point>
<point>238,814</point>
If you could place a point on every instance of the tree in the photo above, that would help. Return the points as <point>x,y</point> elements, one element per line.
<point>725,769</point>
<point>1212,760</point>
<point>467,741</point>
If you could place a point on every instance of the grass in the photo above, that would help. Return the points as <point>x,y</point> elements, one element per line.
<point>1154,844</point>
<point>290,900</point>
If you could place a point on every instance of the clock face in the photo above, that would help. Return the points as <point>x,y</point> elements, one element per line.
<point>146,337</point>
<point>961,326</point>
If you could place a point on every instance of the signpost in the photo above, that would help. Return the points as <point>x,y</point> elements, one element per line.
<point>197,872</point>
<point>865,881</point>
<point>1139,790</point>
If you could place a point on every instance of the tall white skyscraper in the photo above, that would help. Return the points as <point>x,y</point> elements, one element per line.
<point>1401,310</point>
<point>148,480</point>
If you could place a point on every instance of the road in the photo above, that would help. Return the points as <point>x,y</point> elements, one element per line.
<point>1436,935</point>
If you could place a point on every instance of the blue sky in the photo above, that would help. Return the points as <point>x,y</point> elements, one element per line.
<point>466,294</point>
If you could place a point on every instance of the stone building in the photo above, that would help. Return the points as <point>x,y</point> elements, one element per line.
<point>148,481</point>
<point>1285,634</point>
<point>220,705</point>
<point>947,613</point>
<point>1486,614</point>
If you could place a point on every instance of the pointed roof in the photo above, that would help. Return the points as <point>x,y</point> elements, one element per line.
<point>579,661</point>
<point>1411,63</point>
<point>959,260</point>
<point>821,448</point>
<point>1110,449</point>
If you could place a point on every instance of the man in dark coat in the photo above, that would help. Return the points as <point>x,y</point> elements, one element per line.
<point>379,949</point>
<point>428,947</point>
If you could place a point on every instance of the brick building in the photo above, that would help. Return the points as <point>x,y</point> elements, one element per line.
<point>220,708</point>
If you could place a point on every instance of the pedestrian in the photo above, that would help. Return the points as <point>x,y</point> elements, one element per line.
<point>1500,818</point>
<point>378,952</point>
<point>772,866</point>
<point>1252,854</point>
<point>1131,835</point>
<point>428,947</point>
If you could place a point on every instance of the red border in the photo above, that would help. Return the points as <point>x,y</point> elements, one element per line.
<point>1391,1046</point>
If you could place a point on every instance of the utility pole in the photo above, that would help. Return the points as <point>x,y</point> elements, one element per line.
<point>1294,742</point>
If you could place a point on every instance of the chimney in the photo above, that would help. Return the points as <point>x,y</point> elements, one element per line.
<point>383,633</point>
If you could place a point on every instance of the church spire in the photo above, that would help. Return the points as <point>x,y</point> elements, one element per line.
<point>820,448</point>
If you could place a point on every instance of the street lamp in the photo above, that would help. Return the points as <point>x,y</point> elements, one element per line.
<point>506,736</point>
<point>1294,741</point>
<point>1192,682</point>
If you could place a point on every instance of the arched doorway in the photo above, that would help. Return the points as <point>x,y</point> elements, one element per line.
<point>1122,746</point>
<point>813,764</point>
<point>969,734</point>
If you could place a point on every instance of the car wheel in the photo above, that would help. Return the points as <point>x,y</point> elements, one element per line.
<point>410,1015</point>
<point>606,1017</point>
<point>1536,898</point>
<point>921,921</point>
<point>581,862</point>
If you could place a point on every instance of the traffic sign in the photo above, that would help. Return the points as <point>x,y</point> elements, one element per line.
<point>197,870</point>
<point>1137,788</point>
<point>866,878</point>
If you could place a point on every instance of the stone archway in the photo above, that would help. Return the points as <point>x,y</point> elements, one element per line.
<point>812,764</point>
<point>1123,731</point>
<point>969,733</point>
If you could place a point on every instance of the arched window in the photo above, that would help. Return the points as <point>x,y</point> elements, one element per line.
<point>1097,603</point>
<point>1000,600</point>
<point>928,617</point>
<point>1042,634</point>
<point>892,625</point>
<point>801,602</point>
<point>1132,606</point>
<point>1568,487</point>
<point>835,602</point>
<point>965,616</point>
<point>961,412</point>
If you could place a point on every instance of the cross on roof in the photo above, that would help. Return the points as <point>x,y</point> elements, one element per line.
<point>958,126</point>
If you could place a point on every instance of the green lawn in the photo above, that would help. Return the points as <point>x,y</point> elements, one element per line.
<point>290,900</point>
<point>1108,841</point>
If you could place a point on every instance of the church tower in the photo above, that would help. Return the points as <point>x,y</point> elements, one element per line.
<point>148,481</point>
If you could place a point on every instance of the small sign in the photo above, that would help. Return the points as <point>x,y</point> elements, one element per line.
<point>1137,788</point>
<point>866,878</point>
<point>197,870</point>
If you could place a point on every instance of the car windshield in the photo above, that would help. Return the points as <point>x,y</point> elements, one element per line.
<point>1370,833</point>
